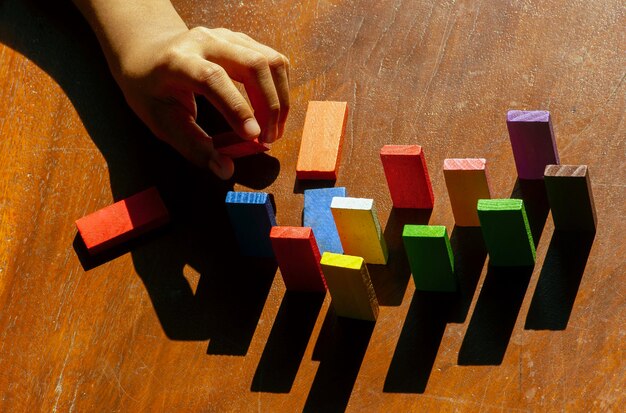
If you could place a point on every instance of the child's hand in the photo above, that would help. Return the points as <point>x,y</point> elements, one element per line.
<point>160,65</point>
<point>159,81</point>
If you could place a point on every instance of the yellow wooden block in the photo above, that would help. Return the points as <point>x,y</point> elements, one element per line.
<point>359,230</point>
<point>350,286</point>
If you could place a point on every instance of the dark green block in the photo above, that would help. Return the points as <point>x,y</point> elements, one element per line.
<point>506,232</point>
<point>570,197</point>
<point>430,257</point>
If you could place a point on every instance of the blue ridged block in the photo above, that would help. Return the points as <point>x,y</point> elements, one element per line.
<point>252,217</point>
<point>318,216</point>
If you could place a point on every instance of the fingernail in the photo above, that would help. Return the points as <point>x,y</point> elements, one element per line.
<point>271,135</point>
<point>251,128</point>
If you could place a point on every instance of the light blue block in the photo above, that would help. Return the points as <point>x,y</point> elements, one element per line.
<point>318,216</point>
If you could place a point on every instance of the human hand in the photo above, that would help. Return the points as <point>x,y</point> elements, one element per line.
<point>159,76</point>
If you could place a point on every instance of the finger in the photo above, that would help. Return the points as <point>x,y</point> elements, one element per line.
<point>251,68</point>
<point>178,128</point>
<point>212,81</point>
<point>279,67</point>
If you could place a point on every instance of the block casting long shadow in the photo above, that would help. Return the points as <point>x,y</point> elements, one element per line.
<point>390,281</point>
<point>287,342</point>
<point>340,349</point>
<point>535,197</point>
<point>492,322</point>
<point>560,277</point>
<point>419,342</point>
<point>470,254</point>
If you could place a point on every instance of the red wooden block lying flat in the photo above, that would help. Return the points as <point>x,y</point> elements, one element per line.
<point>322,136</point>
<point>298,258</point>
<point>231,145</point>
<point>122,221</point>
<point>407,176</point>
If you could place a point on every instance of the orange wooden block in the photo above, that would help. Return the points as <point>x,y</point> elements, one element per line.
<point>122,221</point>
<point>322,136</point>
<point>466,180</point>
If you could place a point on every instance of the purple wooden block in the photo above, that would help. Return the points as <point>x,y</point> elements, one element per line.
<point>532,139</point>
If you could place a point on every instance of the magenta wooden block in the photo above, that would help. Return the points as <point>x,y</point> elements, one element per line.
<point>532,139</point>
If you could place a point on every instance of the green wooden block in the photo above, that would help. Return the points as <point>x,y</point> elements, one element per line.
<point>430,257</point>
<point>506,232</point>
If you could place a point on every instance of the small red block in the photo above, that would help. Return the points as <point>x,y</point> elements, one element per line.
<point>123,221</point>
<point>231,145</point>
<point>298,258</point>
<point>407,176</point>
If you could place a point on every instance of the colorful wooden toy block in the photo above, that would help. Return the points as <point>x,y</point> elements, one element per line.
<point>430,257</point>
<point>532,139</point>
<point>322,137</point>
<point>407,176</point>
<point>466,180</point>
<point>298,258</point>
<point>506,232</point>
<point>570,197</point>
<point>318,216</point>
<point>359,229</point>
<point>122,221</point>
<point>252,217</point>
<point>231,145</point>
<point>350,286</point>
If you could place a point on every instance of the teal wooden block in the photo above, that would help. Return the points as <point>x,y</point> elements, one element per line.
<point>430,257</point>
<point>506,232</point>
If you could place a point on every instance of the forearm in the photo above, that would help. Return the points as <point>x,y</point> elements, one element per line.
<point>122,26</point>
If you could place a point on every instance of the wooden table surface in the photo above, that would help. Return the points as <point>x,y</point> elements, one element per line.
<point>178,322</point>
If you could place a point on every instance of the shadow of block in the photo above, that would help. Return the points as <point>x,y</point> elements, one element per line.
<point>340,348</point>
<point>560,277</point>
<point>535,197</point>
<point>419,342</point>
<point>256,171</point>
<point>287,342</point>
<point>89,262</point>
<point>301,185</point>
<point>236,298</point>
<point>492,322</point>
<point>390,280</point>
<point>470,254</point>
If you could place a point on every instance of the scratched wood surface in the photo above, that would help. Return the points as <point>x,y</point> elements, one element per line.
<point>176,322</point>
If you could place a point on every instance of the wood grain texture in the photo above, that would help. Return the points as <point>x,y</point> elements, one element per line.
<point>122,221</point>
<point>506,232</point>
<point>322,140</point>
<point>298,258</point>
<point>533,141</point>
<point>466,182</point>
<point>359,229</point>
<point>571,198</point>
<point>430,257</point>
<point>182,324</point>
<point>252,217</point>
<point>407,176</point>
<point>350,286</point>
